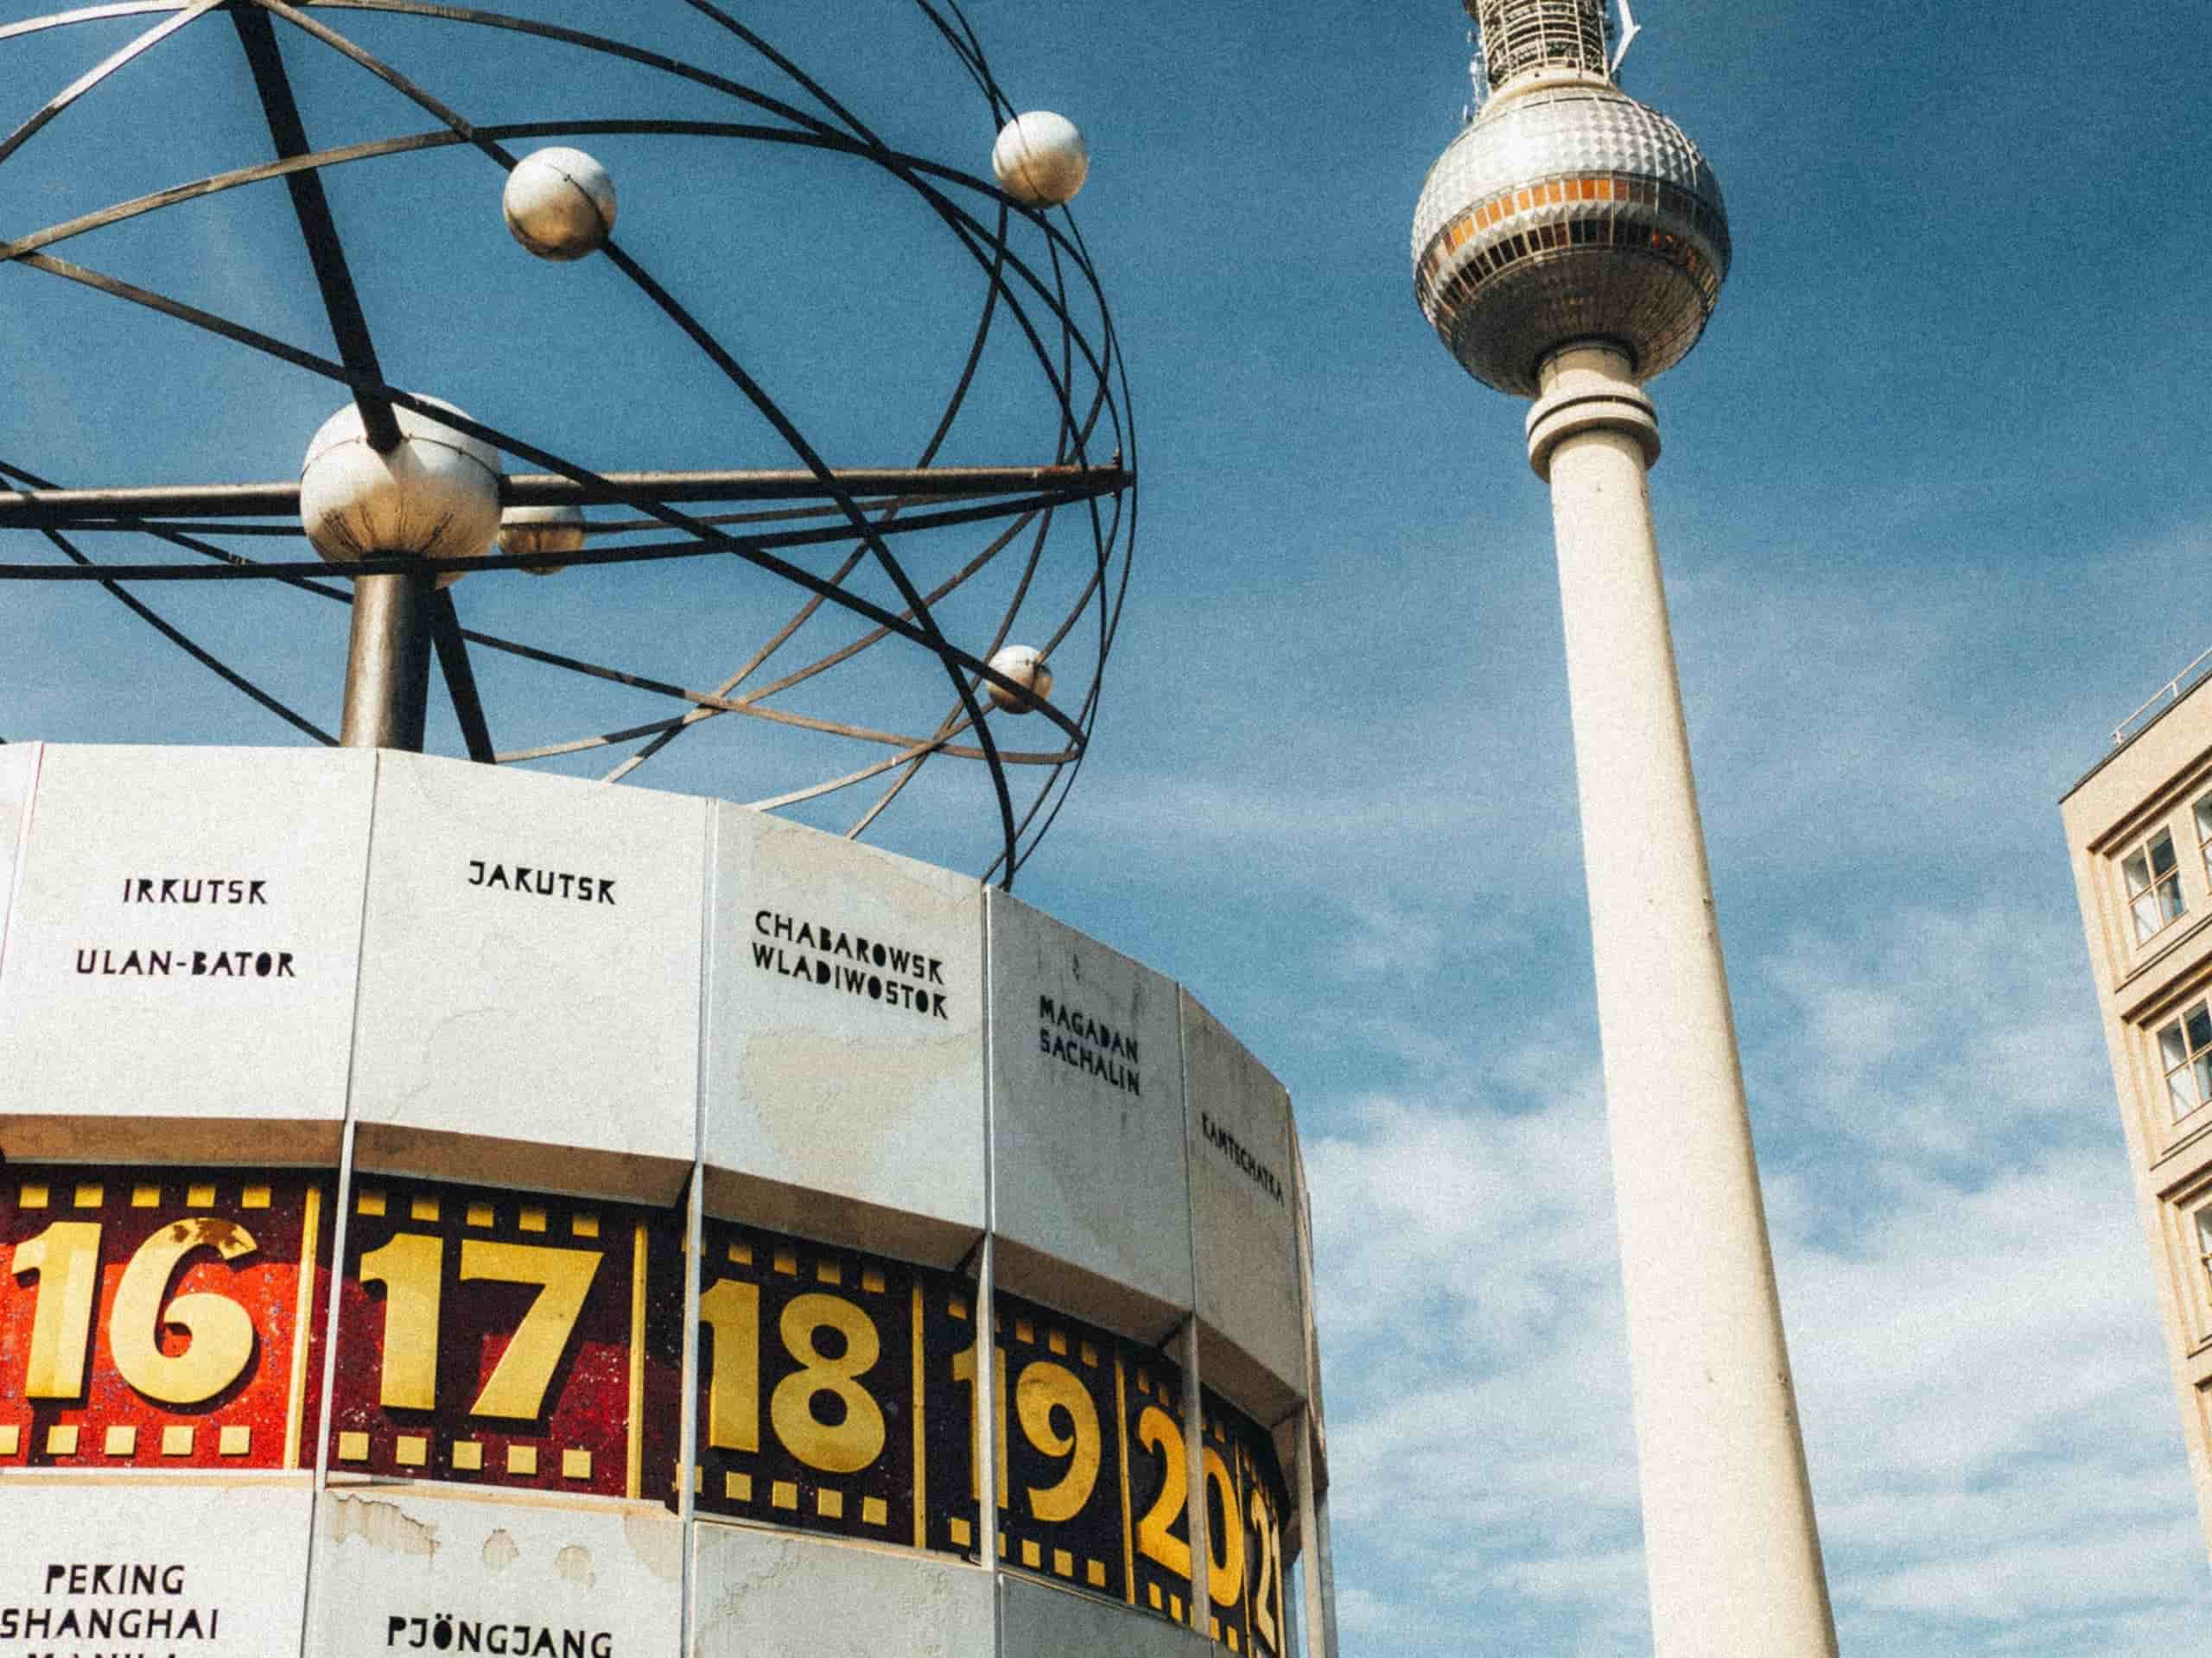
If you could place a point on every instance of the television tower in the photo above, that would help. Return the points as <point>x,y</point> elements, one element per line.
<point>1568,245</point>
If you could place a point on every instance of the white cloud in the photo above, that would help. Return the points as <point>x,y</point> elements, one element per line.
<point>1990,1435</point>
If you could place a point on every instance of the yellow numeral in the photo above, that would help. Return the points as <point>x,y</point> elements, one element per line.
<point>1045,1388</point>
<point>219,1331</point>
<point>1266,1595</point>
<point>67,1258</point>
<point>731,1310</point>
<point>1224,1576</point>
<point>854,1441</point>
<point>518,1384</point>
<point>963,1369</point>
<point>1157,1431</point>
<point>411,1269</point>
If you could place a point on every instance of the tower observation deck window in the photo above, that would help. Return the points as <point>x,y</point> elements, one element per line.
<point>2185,1051</point>
<point>2153,883</point>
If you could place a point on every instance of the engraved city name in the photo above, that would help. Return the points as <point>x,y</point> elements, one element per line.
<point>152,1621</point>
<point>843,960</point>
<point>194,889</point>
<point>96,962</point>
<point>1088,1044</point>
<point>1233,1148</point>
<point>188,961</point>
<point>540,883</point>
<point>444,1632</point>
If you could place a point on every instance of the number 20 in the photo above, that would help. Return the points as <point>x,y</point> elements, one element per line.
<point>1159,1432</point>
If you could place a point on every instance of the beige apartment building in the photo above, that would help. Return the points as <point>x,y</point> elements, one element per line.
<point>2139,828</point>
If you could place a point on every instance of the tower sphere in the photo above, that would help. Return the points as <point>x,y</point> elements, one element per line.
<point>559,202</point>
<point>1566,212</point>
<point>1041,158</point>
<point>436,496</point>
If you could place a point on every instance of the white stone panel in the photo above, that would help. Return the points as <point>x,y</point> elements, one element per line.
<point>180,970</point>
<point>18,772</point>
<point>213,1566</point>
<point>845,1068</point>
<point>1092,1207</point>
<point>1038,1620</point>
<point>765,1594</point>
<point>607,1577</point>
<point>1244,1221</point>
<point>530,980</point>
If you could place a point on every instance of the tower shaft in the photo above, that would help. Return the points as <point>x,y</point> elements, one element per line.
<point>1731,1548</point>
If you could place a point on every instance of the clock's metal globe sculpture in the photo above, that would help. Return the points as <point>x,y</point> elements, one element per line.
<point>929,451</point>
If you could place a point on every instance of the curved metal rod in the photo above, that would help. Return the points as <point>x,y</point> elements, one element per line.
<point>206,658</point>
<point>161,625</point>
<point>850,649</point>
<point>908,745</point>
<point>908,169</point>
<point>712,540</point>
<point>90,14</point>
<point>462,132</point>
<point>753,390</point>
<point>952,408</point>
<point>971,54</point>
<point>99,71</point>
<point>1106,363</point>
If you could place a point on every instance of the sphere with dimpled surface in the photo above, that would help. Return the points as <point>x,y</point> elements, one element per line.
<point>1567,211</point>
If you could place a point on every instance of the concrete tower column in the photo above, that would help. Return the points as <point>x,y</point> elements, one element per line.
<point>1732,1552</point>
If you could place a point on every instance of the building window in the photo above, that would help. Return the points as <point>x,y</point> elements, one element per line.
<point>2154,882</point>
<point>2185,1050</point>
<point>2204,833</point>
<point>2204,1242</point>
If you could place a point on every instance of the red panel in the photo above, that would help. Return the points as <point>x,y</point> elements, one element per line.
<point>444,1281</point>
<point>74,1236</point>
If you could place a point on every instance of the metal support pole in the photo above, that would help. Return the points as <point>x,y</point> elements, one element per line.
<point>1194,1472</point>
<point>388,661</point>
<point>1730,1547</point>
<point>989,1491</point>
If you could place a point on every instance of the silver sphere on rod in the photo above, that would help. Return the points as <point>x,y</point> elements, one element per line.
<point>560,203</point>
<point>1041,158</point>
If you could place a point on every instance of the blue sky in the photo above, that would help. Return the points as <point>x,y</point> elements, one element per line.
<point>1931,504</point>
